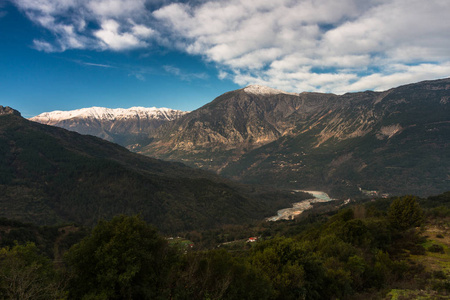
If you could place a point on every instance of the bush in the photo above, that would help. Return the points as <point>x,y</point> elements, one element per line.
<point>405,213</point>
<point>436,249</point>
<point>439,274</point>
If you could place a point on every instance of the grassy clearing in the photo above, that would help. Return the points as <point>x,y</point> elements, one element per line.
<point>436,261</point>
<point>397,294</point>
<point>180,243</point>
<point>437,267</point>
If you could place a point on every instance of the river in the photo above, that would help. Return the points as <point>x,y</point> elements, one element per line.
<point>299,207</point>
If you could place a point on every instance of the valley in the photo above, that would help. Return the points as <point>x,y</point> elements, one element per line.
<point>326,164</point>
<point>224,150</point>
<point>394,142</point>
<point>300,207</point>
<point>50,176</point>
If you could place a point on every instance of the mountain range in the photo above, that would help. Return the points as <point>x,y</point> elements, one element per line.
<point>127,127</point>
<point>49,175</point>
<point>395,142</point>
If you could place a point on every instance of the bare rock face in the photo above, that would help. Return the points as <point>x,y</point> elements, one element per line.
<point>6,110</point>
<point>389,131</point>
<point>232,124</point>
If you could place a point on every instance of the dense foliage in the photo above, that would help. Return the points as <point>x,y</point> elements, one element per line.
<point>121,259</point>
<point>26,274</point>
<point>359,252</point>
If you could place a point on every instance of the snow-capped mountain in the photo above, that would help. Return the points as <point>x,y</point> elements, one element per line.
<point>128,127</point>
<point>110,114</point>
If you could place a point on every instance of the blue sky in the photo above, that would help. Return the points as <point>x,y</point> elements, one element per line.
<point>34,81</point>
<point>69,54</point>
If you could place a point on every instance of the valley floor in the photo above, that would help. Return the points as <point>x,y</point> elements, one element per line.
<point>300,207</point>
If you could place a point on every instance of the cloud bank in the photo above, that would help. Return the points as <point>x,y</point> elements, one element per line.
<point>303,45</point>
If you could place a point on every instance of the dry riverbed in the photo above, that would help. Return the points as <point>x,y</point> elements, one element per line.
<point>299,207</point>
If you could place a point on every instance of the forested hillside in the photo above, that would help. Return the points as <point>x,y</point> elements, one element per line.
<point>51,176</point>
<point>394,248</point>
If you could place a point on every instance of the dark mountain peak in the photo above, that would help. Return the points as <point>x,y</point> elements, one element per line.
<point>6,110</point>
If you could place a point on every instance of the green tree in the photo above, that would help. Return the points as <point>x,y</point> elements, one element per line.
<point>122,259</point>
<point>355,232</point>
<point>292,267</point>
<point>26,274</point>
<point>216,274</point>
<point>405,213</point>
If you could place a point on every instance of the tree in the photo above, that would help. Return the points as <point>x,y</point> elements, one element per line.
<point>26,274</point>
<point>405,213</point>
<point>292,267</point>
<point>122,259</point>
<point>216,274</point>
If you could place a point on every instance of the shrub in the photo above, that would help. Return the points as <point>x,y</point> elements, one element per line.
<point>405,213</point>
<point>436,249</point>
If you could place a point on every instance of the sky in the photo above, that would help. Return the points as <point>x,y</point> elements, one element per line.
<point>70,54</point>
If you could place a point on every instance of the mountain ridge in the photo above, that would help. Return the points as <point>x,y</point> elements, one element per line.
<point>258,134</point>
<point>291,140</point>
<point>108,114</point>
<point>6,110</point>
<point>128,127</point>
<point>50,175</point>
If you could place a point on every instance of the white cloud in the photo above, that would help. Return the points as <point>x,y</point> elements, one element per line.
<point>139,77</point>
<point>173,70</point>
<point>184,75</point>
<point>322,45</point>
<point>142,31</point>
<point>43,46</point>
<point>75,23</point>
<point>116,8</point>
<point>314,45</point>
<point>223,75</point>
<point>96,65</point>
<point>113,39</point>
<point>400,74</point>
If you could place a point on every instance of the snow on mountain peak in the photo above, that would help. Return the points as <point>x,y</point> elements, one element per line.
<point>103,113</point>
<point>264,90</point>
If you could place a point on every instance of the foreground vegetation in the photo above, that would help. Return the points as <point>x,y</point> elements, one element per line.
<point>383,249</point>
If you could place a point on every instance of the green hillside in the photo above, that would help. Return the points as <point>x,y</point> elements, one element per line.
<point>395,248</point>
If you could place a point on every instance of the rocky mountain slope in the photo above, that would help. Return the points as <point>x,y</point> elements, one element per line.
<point>49,175</point>
<point>397,141</point>
<point>224,129</point>
<point>127,127</point>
